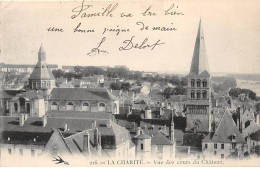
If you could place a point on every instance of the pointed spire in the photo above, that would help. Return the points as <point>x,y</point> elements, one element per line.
<point>41,54</point>
<point>199,59</point>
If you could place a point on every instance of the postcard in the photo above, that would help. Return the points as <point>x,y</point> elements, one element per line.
<point>146,83</point>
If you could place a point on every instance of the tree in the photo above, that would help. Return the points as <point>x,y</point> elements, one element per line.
<point>179,91</point>
<point>167,92</point>
<point>125,86</point>
<point>115,86</point>
<point>58,73</point>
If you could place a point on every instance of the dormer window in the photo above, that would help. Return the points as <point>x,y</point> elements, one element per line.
<point>233,137</point>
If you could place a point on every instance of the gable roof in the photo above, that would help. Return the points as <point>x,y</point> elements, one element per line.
<point>160,139</point>
<point>75,142</point>
<point>96,94</point>
<point>225,129</point>
<point>199,59</point>
<point>57,140</point>
<point>117,134</point>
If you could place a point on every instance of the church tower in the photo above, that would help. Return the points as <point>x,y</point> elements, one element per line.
<point>199,88</point>
<point>42,78</point>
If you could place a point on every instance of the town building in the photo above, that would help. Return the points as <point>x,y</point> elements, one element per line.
<point>83,99</point>
<point>57,136</point>
<point>225,141</point>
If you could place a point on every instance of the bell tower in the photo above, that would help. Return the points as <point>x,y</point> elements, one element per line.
<point>199,88</point>
<point>42,78</point>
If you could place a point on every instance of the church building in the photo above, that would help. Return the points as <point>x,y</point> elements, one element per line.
<point>199,88</point>
<point>42,77</point>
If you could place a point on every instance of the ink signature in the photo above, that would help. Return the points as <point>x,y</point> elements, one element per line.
<point>97,51</point>
<point>59,160</point>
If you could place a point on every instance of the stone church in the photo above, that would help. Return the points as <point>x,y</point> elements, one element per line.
<point>198,102</point>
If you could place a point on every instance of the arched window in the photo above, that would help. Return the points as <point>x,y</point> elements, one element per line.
<point>192,94</point>
<point>192,82</point>
<point>15,107</point>
<point>204,94</point>
<point>198,82</point>
<point>28,109</point>
<point>70,106</point>
<point>198,94</point>
<point>101,107</point>
<point>54,106</point>
<point>85,107</point>
<point>204,83</point>
<point>115,108</point>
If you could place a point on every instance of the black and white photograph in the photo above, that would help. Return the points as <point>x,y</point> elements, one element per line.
<point>169,83</point>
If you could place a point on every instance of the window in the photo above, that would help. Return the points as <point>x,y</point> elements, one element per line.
<point>101,107</point>
<point>32,153</point>
<point>142,146</point>
<point>206,145</point>
<point>21,152</point>
<point>198,94</point>
<point>160,149</point>
<point>233,146</point>
<point>15,107</point>
<point>70,106</point>
<point>10,151</point>
<point>192,94</point>
<point>204,83</point>
<point>215,146</point>
<point>54,106</point>
<point>222,146</point>
<point>198,83</point>
<point>204,94</point>
<point>192,82</point>
<point>222,156</point>
<point>85,107</point>
<point>215,152</point>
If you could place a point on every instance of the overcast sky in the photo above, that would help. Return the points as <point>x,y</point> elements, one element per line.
<point>231,31</point>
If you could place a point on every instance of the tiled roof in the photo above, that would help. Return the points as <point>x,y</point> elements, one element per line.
<point>253,127</point>
<point>225,130</point>
<point>160,139</point>
<point>40,73</point>
<point>255,136</point>
<point>31,95</point>
<point>75,142</point>
<point>96,94</point>
<point>142,136</point>
<point>79,114</point>
<point>74,125</point>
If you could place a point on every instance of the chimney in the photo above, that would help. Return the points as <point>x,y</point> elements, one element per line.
<point>161,111</point>
<point>164,127</point>
<point>109,121</point>
<point>85,149</point>
<point>94,124</point>
<point>96,137</point>
<point>133,126</point>
<point>188,150</point>
<point>129,112</point>
<point>44,120</point>
<point>25,117</point>
<point>65,127</point>
<point>99,139</point>
<point>138,131</point>
<point>21,119</point>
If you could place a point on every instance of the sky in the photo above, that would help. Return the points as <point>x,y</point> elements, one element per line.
<point>231,32</point>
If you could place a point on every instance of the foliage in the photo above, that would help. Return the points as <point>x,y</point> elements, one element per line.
<point>235,92</point>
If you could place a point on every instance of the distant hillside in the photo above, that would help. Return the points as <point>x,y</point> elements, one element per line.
<point>253,77</point>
